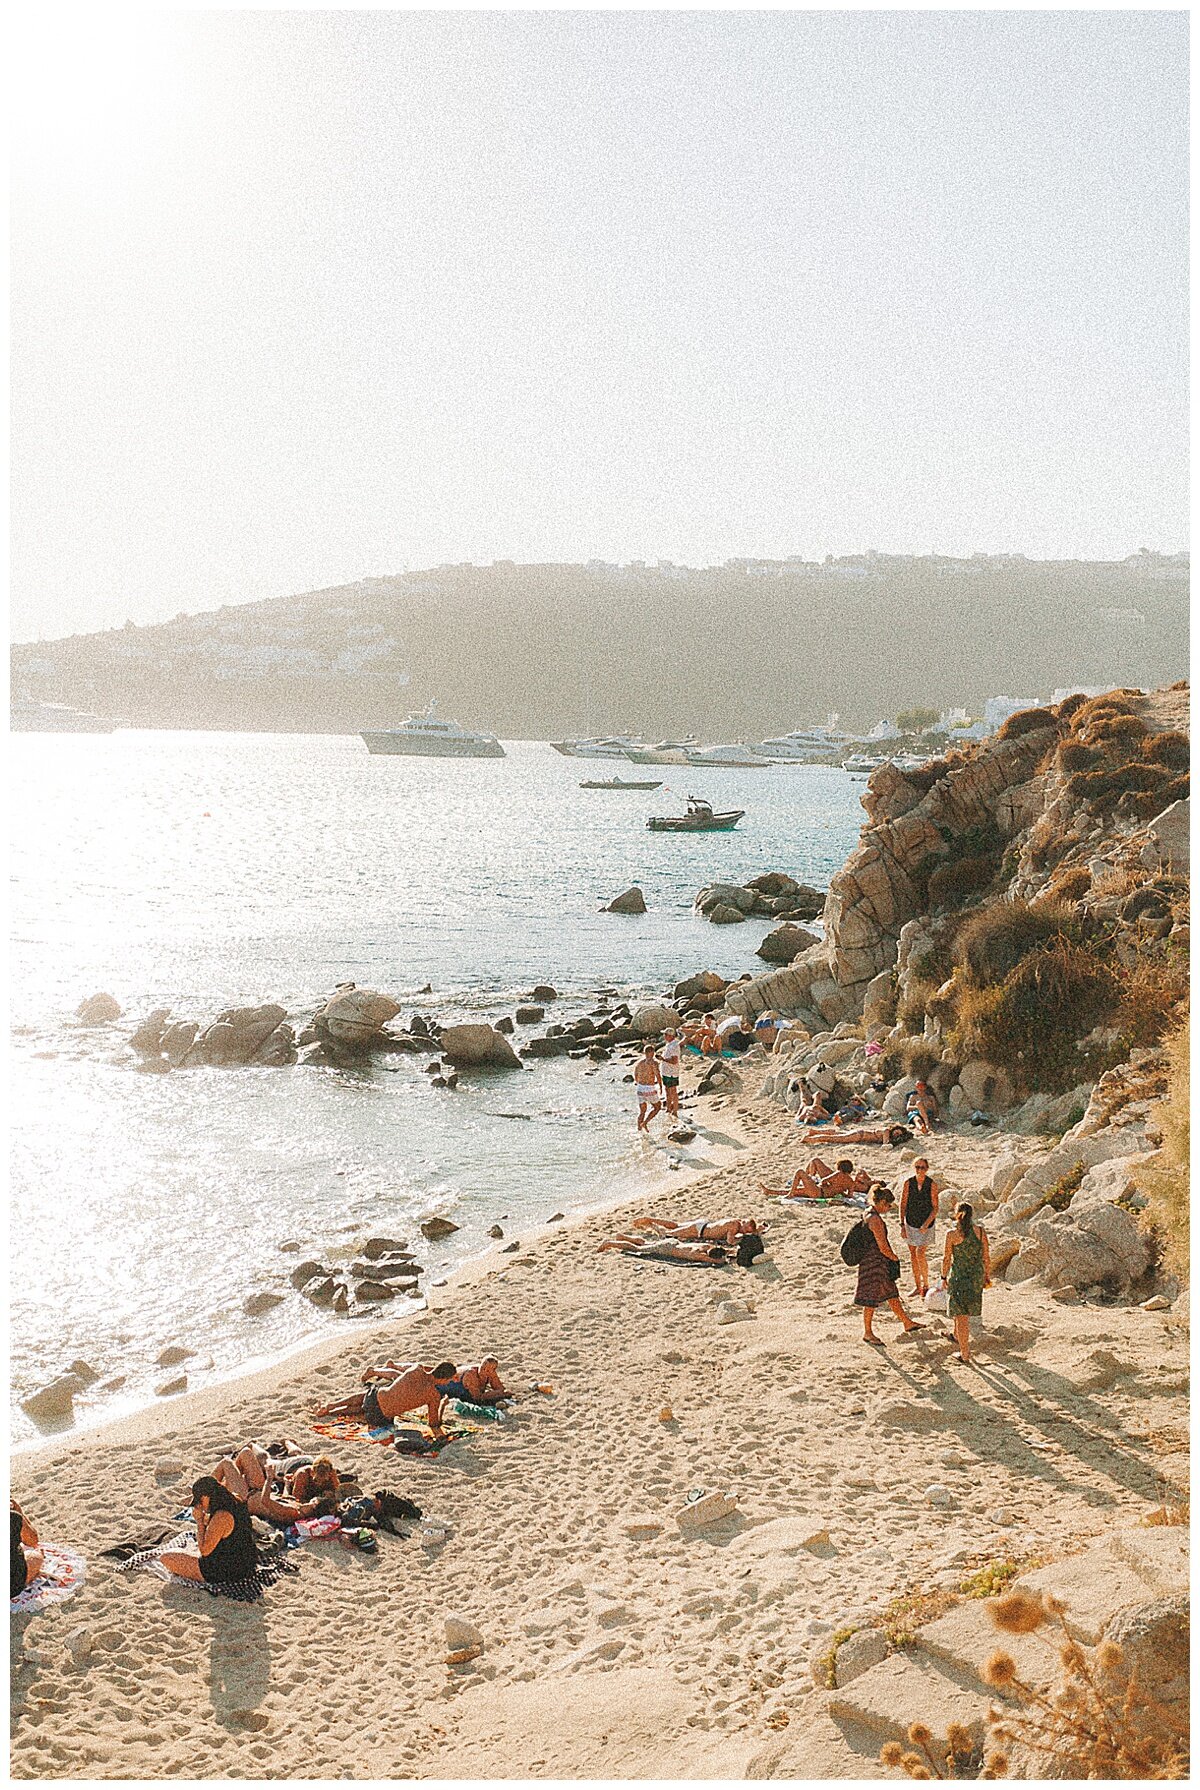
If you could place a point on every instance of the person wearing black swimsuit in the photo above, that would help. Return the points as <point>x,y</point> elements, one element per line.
<point>25,1556</point>
<point>225,1537</point>
<point>918,1220</point>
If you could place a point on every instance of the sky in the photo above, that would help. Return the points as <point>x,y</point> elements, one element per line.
<point>304,297</point>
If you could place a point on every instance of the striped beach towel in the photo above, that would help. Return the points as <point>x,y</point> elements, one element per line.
<point>62,1575</point>
<point>243,1591</point>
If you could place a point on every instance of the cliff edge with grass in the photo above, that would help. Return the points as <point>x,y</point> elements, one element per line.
<point>1014,927</point>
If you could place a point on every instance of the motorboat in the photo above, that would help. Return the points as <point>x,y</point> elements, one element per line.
<point>699,818</point>
<point>428,736</point>
<point>813,745</point>
<point>617,745</point>
<point>743,758</point>
<point>666,752</point>
<point>618,783</point>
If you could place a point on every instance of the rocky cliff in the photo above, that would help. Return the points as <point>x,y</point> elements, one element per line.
<point>1013,926</point>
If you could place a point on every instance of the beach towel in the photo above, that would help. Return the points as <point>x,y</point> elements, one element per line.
<point>243,1591</point>
<point>357,1429</point>
<point>481,1413</point>
<point>697,1052</point>
<point>858,1201</point>
<point>63,1573</point>
<point>672,1261</point>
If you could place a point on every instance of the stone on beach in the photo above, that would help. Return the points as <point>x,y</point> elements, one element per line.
<point>648,1021</point>
<point>169,1388</point>
<point>461,1633</point>
<point>714,1507</point>
<point>434,1229</point>
<point>785,942</point>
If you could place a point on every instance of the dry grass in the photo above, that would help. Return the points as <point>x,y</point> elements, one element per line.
<point>991,944</point>
<point>1164,1181</point>
<point>1151,994</point>
<point>1096,1722</point>
<point>951,882</point>
<point>1027,721</point>
<point>1031,1022</point>
<point>1171,749</point>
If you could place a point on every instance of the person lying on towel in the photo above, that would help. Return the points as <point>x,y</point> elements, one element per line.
<point>820,1182</point>
<point>704,1230</point>
<point>394,1389</point>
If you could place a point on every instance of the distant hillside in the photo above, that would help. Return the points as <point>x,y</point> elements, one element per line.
<point>742,650</point>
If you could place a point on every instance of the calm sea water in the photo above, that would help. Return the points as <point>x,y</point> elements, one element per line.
<point>198,871</point>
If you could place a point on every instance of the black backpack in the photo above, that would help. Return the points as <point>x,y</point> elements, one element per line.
<point>854,1243</point>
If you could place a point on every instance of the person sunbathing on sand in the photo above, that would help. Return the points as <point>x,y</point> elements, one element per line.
<point>250,1478</point>
<point>819,1181</point>
<point>707,1230</point>
<point>892,1135</point>
<point>669,1249</point>
<point>401,1389</point>
<point>480,1385</point>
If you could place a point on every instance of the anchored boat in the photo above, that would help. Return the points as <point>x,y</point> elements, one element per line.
<point>699,818</point>
<point>617,783</point>
<point>428,736</point>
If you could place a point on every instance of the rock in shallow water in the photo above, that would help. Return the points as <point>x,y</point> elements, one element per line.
<point>97,1010</point>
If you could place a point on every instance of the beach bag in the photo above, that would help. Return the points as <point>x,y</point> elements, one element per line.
<point>937,1298</point>
<point>748,1248</point>
<point>854,1243</point>
<point>822,1077</point>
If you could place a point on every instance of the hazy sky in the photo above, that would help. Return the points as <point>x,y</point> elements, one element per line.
<point>302,297</point>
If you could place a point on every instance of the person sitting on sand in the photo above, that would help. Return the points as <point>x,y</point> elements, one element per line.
<point>854,1111</point>
<point>891,1135</point>
<point>647,1087</point>
<point>26,1558</point>
<point>819,1181</point>
<point>401,1389</point>
<point>704,1230</point>
<point>879,1270</point>
<point>224,1535</point>
<point>922,1108</point>
<point>704,1036</point>
<point>479,1385</point>
<point>321,1481</point>
<point>814,1106</point>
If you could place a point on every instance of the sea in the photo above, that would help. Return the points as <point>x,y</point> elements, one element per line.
<point>198,871</point>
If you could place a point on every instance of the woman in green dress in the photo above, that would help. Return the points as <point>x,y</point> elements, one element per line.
<point>966,1269</point>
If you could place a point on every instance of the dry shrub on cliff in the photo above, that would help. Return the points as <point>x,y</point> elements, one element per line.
<point>924,776</point>
<point>1171,749</point>
<point>950,882</point>
<point>1100,708</point>
<point>1026,721</point>
<point>1118,732</point>
<point>1032,1019</point>
<point>1074,756</point>
<point>1165,1179</point>
<point>1070,706</point>
<point>1069,884</point>
<point>1150,996</point>
<point>912,1008</point>
<point>1105,787</point>
<point>991,943</point>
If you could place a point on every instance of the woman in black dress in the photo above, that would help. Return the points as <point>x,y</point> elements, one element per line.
<point>225,1537</point>
<point>879,1270</point>
<point>25,1555</point>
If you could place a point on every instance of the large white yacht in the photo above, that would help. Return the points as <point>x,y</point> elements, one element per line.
<point>617,745</point>
<point>666,751</point>
<point>812,745</point>
<point>744,758</point>
<point>428,736</point>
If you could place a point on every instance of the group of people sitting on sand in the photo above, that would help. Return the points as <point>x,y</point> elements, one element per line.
<point>249,1482</point>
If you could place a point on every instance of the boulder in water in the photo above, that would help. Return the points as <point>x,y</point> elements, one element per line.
<point>544,992</point>
<point>147,1038</point>
<point>784,943</point>
<point>172,1355</point>
<point>53,1406</point>
<point>97,1010</point>
<point>648,1021</point>
<point>177,1040</point>
<point>530,1016</point>
<point>436,1228</point>
<point>478,1046</point>
<point>631,902</point>
<point>354,1017</point>
<point>374,1247</point>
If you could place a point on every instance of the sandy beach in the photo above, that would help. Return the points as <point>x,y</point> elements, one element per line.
<point>615,1647</point>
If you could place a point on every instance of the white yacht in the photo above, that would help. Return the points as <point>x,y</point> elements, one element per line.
<point>27,716</point>
<point>620,745</point>
<point>744,758</point>
<point>812,745</point>
<point>666,751</point>
<point>427,736</point>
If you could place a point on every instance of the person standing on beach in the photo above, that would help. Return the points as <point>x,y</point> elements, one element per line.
<point>967,1269</point>
<point>669,1059</point>
<point>879,1269</point>
<point>918,1221</point>
<point>647,1084</point>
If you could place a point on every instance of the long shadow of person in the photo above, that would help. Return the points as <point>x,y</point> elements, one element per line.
<point>239,1656</point>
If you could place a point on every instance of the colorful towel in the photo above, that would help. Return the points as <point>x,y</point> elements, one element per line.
<point>357,1429</point>
<point>673,1261</point>
<point>858,1202</point>
<point>242,1591</point>
<point>64,1572</point>
<point>481,1413</point>
<point>697,1052</point>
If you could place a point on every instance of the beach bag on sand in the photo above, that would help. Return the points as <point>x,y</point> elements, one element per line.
<point>748,1249</point>
<point>854,1243</point>
<point>937,1298</point>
